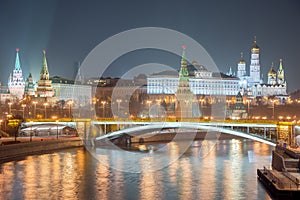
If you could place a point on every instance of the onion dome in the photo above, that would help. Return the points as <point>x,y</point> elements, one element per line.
<point>242,61</point>
<point>272,72</point>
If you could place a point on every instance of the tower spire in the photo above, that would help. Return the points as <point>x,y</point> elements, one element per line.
<point>280,64</point>
<point>44,75</point>
<point>17,63</point>
<point>183,73</point>
<point>255,44</point>
<point>183,58</point>
<point>280,73</point>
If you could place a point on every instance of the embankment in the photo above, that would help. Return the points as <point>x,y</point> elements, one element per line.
<point>14,151</point>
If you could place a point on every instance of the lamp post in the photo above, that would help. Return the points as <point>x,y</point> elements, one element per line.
<point>23,106</point>
<point>56,120</point>
<point>1,124</point>
<point>118,101</point>
<point>70,106</point>
<point>45,104</point>
<point>103,108</point>
<point>149,102</point>
<point>34,111</point>
<point>273,109</point>
<point>31,132</point>
<point>57,129</point>
<point>248,107</point>
<point>9,107</point>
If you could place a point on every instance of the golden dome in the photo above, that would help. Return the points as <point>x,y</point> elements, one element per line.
<point>272,72</point>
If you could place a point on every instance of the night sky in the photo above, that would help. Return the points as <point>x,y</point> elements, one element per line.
<point>70,29</point>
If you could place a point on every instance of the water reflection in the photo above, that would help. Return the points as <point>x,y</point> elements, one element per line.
<point>150,186</point>
<point>207,170</point>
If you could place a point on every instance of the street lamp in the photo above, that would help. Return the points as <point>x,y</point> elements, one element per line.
<point>103,108</point>
<point>119,101</point>
<point>34,112</point>
<point>45,104</point>
<point>56,120</point>
<point>31,132</point>
<point>57,129</point>
<point>248,107</point>
<point>9,106</point>
<point>70,106</point>
<point>23,106</point>
<point>149,102</point>
<point>273,109</point>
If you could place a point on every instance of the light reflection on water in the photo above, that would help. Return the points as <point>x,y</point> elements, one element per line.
<point>208,170</point>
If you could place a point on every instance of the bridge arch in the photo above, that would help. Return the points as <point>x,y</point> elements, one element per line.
<point>153,127</point>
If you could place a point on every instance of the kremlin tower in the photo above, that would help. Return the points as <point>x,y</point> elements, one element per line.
<point>183,94</point>
<point>44,88</point>
<point>29,86</point>
<point>16,83</point>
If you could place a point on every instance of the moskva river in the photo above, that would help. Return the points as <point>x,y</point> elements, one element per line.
<point>223,169</point>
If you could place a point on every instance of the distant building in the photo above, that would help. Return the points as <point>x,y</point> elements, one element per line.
<point>239,111</point>
<point>16,82</point>
<point>201,82</point>
<point>4,94</point>
<point>66,90</point>
<point>276,85</point>
<point>253,85</point>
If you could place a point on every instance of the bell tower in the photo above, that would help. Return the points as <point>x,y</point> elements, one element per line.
<point>254,65</point>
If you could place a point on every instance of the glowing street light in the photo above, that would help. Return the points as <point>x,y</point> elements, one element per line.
<point>103,108</point>
<point>119,101</point>
<point>56,120</point>
<point>248,107</point>
<point>9,106</point>
<point>70,106</point>
<point>149,102</point>
<point>31,132</point>
<point>273,109</point>
<point>23,106</point>
<point>34,112</point>
<point>45,104</point>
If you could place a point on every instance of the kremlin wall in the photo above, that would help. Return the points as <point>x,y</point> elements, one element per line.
<point>186,94</point>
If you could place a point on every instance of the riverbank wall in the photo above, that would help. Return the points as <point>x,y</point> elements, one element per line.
<point>15,151</point>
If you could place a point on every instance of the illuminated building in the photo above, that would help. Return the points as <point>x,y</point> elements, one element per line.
<point>4,94</point>
<point>66,90</point>
<point>239,111</point>
<point>274,87</point>
<point>201,82</point>
<point>16,83</point>
<point>253,85</point>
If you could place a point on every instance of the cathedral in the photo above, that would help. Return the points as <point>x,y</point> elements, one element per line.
<point>253,85</point>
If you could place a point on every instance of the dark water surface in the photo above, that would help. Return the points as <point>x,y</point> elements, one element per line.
<point>228,171</point>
